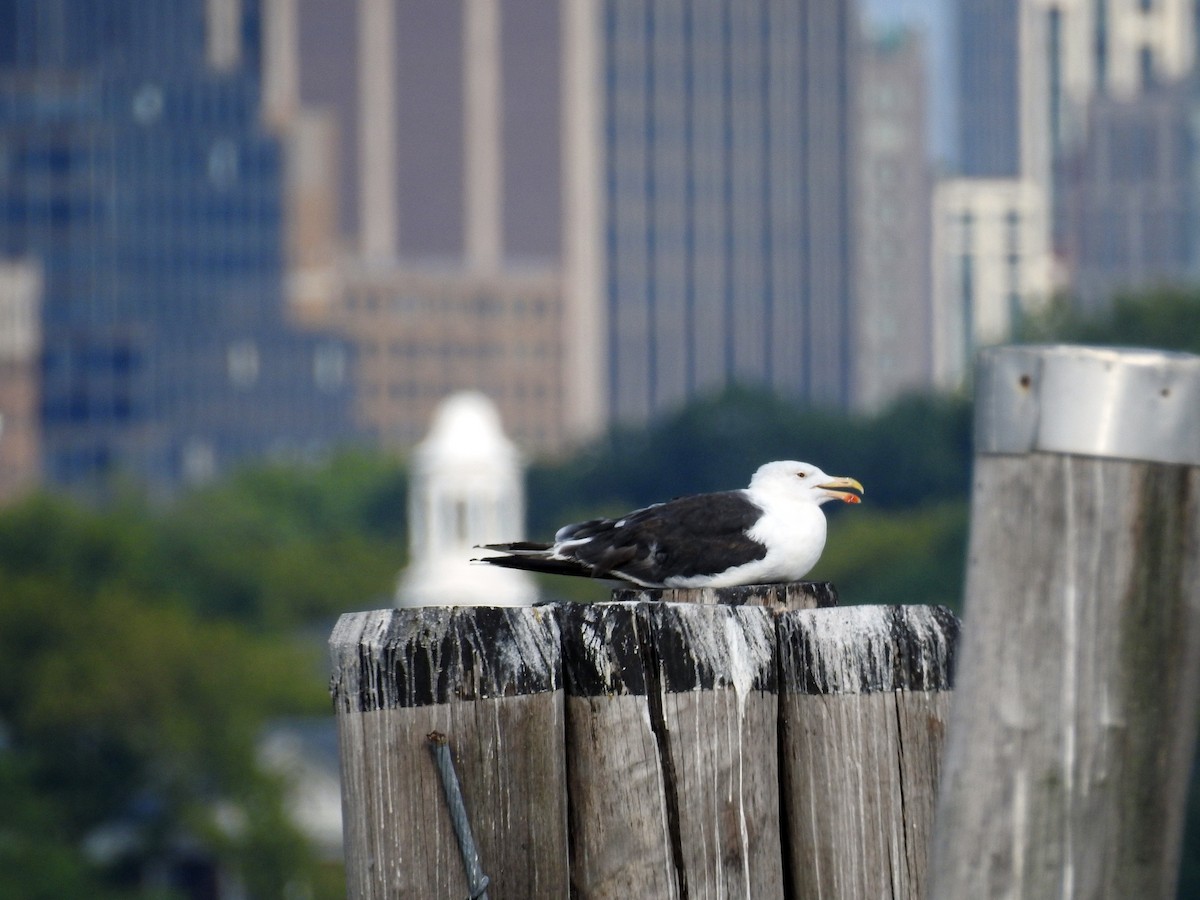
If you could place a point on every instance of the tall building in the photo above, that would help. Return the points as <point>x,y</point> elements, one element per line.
<point>655,195</point>
<point>1032,74</point>
<point>20,351</point>
<point>1132,198</point>
<point>893,323</point>
<point>1028,70</point>
<point>135,170</point>
<point>988,70</point>
<point>728,170</point>
<point>993,266</point>
<point>425,202</point>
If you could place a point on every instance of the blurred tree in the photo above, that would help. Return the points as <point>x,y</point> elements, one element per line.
<point>124,713</point>
<point>1166,319</point>
<point>280,546</point>
<point>915,452</point>
<point>37,861</point>
<point>912,556</point>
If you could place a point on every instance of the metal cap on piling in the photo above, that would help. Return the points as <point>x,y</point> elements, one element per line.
<point>1118,403</point>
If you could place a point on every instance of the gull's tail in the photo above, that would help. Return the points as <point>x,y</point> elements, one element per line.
<point>532,557</point>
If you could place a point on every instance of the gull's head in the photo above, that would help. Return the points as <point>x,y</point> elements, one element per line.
<point>797,479</point>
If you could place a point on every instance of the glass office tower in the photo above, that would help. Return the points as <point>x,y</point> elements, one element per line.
<point>136,175</point>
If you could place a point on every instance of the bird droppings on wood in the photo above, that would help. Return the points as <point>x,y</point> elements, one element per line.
<point>672,721</point>
<point>869,649</point>
<point>696,648</point>
<point>488,680</point>
<point>863,697</point>
<point>640,748</point>
<point>428,655</point>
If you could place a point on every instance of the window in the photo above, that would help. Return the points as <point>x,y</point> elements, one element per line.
<point>329,367</point>
<point>1012,232</point>
<point>148,104</point>
<point>223,163</point>
<point>198,460</point>
<point>242,363</point>
<point>967,222</point>
<point>1100,42</point>
<point>1054,67</point>
<point>1146,66</point>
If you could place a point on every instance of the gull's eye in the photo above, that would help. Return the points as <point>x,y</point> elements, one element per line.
<point>801,474</point>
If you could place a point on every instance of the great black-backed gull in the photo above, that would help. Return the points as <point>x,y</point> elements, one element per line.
<point>772,531</point>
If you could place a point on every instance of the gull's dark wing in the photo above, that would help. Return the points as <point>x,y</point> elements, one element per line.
<point>699,535</point>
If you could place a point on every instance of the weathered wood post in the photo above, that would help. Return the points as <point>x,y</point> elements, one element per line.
<point>671,750</point>
<point>1074,718</point>
<point>780,597</point>
<point>864,696</point>
<point>484,683</point>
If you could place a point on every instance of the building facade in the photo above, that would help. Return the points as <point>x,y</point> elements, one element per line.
<point>1133,199</point>
<point>893,323</point>
<point>1028,70</point>
<point>994,266</point>
<point>1031,212</point>
<point>426,202</point>
<point>136,171</point>
<point>728,171</point>
<point>423,335</point>
<point>680,173</point>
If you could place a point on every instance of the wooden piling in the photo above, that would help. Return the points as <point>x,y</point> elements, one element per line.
<point>641,749</point>
<point>864,696</point>
<point>777,597</point>
<point>671,750</point>
<point>487,681</point>
<point>1075,716</point>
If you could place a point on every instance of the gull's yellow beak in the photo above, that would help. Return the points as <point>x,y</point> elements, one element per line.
<point>831,489</point>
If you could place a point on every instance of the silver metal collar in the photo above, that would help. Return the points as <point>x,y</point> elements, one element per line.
<point>1093,401</point>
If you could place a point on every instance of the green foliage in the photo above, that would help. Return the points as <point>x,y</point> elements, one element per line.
<point>915,452</point>
<point>912,556</point>
<point>112,698</point>
<point>275,546</point>
<point>142,650</point>
<point>1165,319</point>
<point>279,547</point>
<point>37,861</point>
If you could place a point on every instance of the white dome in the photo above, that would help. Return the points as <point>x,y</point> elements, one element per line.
<point>465,489</point>
<point>466,430</point>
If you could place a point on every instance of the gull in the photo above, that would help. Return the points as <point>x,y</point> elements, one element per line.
<point>772,531</point>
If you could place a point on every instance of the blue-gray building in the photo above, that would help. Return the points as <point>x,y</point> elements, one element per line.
<point>988,69</point>
<point>135,171</point>
<point>729,196</point>
<point>1134,196</point>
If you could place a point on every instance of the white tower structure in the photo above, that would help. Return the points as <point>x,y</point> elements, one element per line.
<point>465,488</point>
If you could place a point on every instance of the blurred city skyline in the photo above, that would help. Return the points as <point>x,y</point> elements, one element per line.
<point>235,229</point>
